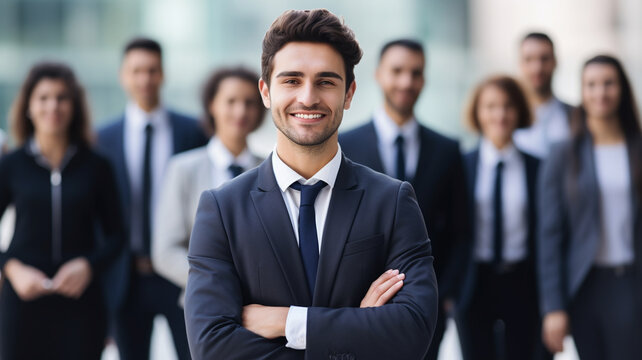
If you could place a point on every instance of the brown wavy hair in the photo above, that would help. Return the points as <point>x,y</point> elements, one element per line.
<point>211,87</point>
<point>317,26</point>
<point>515,94</point>
<point>22,127</point>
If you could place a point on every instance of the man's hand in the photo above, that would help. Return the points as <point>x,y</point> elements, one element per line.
<point>28,282</point>
<point>72,278</point>
<point>383,289</point>
<point>266,321</point>
<point>554,330</point>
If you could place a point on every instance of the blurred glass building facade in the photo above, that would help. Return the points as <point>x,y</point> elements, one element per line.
<point>199,35</point>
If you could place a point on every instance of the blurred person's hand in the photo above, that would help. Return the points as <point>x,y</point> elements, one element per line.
<point>554,330</point>
<point>383,289</point>
<point>72,278</point>
<point>27,281</point>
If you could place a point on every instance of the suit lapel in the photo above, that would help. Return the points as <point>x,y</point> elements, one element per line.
<point>177,133</point>
<point>531,182</point>
<point>120,167</point>
<point>371,148</point>
<point>423,163</point>
<point>275,219</point>
<point>346,197</point>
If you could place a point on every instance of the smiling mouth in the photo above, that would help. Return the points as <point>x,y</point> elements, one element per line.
<point>307,116</point>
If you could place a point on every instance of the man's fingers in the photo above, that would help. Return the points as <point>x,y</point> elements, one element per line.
<point>383,299</point>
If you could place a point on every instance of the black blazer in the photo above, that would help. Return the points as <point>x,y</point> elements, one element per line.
<point>441,193</point>
<point>187,134</point>
<point>243,250</point>
<point>531,165</point>
<point>90,222</point>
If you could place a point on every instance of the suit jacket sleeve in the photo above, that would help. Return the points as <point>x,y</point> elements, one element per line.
<point>458,231</point>
<point>171,230</point>
<point>552,233</point>
<point>214,300</point>
<point>401,329</point>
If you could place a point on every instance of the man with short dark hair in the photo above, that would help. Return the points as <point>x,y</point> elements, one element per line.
<point>395,143</point>
<point>552,116</point>
<point>286,259</point>
<point>139,144</point>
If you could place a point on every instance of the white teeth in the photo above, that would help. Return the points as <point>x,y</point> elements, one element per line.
<point>308,116</point>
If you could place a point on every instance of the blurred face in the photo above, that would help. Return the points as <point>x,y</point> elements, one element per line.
<point>307,92</point>
<point>497,116</point>
<point>50,108</point>
<point>537,63</point>
<point>141,75</point>
<point>235,108</point>
<point>601,90</point>
<point>400,75</point>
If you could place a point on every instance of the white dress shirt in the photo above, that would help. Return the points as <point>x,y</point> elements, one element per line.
<point>222,158</point>
<point>162,149</point>
<point>551,126</point>
<point>614,181</point>
<point>296,324</point>
<point>387,132</point>
<point>514,203</point>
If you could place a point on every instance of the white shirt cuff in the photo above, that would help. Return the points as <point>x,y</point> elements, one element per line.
<point>296,327</point>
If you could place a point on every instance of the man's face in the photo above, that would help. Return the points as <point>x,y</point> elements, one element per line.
<point>141,76</point>
<point>400,75</point>
<point>307,92</point>
<point>537,63</point>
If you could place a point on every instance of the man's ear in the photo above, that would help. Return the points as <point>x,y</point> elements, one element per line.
<point>264,89</point>
<point>350,95</point>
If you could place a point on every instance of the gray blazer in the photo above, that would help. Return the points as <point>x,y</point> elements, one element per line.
<point>570,225</point>
<point>188,174</point>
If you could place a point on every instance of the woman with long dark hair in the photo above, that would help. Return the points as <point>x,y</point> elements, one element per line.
<point>590,239</point>
<point>67,226</point>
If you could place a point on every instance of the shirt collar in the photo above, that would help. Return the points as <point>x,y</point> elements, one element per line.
<point>490,155</point>
<point>388,130</point>
<point>34,150</point>
<point>222,158</point>
<point>285,176</point>
<point>139,118</point>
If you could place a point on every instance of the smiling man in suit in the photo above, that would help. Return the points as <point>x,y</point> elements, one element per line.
<point>139,144</point>
<point>394,143</point>
<point>285,259</point>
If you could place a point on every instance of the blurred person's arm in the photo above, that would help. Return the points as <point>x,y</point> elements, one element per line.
<point>28,282</point>
<point>171,228</point>
<point>552,234</point>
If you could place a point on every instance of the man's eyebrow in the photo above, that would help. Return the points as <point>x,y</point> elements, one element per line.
<point>323,74</point>
<point>290,73</point>
<point>329,74</point>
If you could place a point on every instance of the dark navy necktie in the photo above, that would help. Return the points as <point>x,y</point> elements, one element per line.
<point>401,158</point>
<point>235,170</point>
<point>147,190</point>
<point>308,242</point>
<point>498,219</point>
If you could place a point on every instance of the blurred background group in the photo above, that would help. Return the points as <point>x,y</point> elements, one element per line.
<point>532,237</point>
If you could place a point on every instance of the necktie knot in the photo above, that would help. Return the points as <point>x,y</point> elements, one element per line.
<point>500,166</point>
<point>235,170</point>
<point>399,141</point>
<point>149,129</point>
<point>309,193</point>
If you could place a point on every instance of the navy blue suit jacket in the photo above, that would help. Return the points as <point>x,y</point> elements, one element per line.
<point>531,165</point>
<point>187,134</point>
<point>243,251</point>
<point>441,193</point>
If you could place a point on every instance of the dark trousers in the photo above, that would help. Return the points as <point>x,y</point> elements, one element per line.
<point>502,320</point>
<point>52,327</point>
<point>149,295</point>
<point>433,350</point>
<point>605,317</point>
